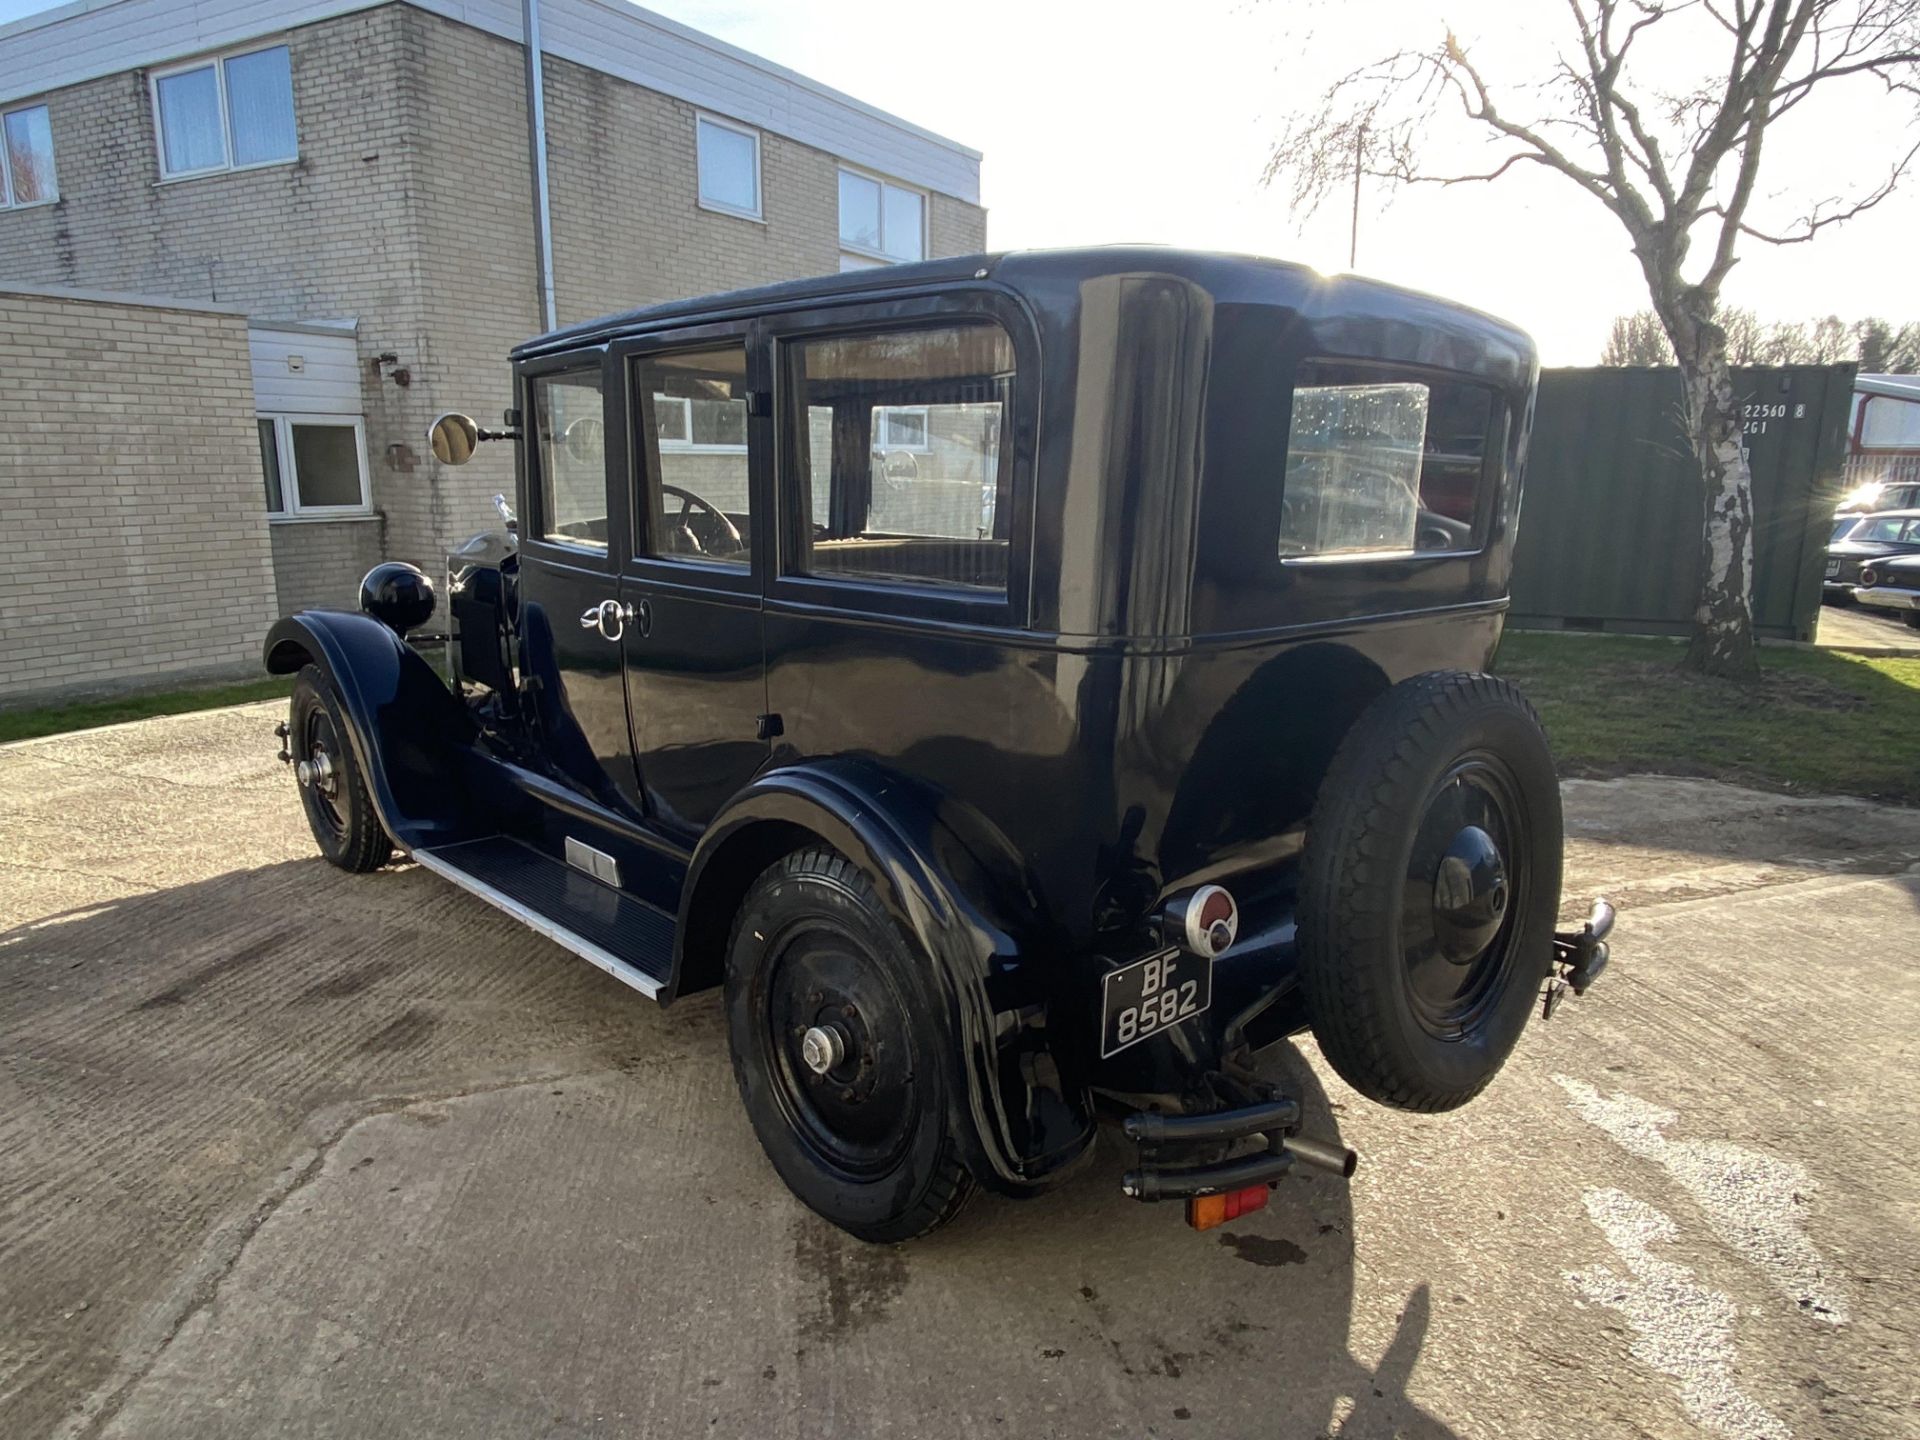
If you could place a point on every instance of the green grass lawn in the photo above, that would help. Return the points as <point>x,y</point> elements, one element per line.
<point>1817,721</point>
<point>84,715</point>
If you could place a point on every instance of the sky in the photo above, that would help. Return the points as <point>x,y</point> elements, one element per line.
<point>1124,121</point>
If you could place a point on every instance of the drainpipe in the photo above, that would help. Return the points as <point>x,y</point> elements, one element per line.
<point>537,142</point>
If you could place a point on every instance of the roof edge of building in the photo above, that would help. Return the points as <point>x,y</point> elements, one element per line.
<point>647,63</point>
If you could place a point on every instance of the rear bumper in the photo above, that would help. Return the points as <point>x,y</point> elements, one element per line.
<point>1186,1155</point>
<point>1888,597</point>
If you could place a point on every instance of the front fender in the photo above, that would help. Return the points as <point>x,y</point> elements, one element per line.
<point>958,889</point>
<point>408,730</point>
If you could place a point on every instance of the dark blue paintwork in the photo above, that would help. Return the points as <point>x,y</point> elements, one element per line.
<point>1026,778</point>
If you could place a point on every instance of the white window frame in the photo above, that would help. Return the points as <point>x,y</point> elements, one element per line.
<point>847,249</point>
<point>218,62</point>
<point>758,212</point>
<point>688,446</point>
<point>7,202</point>
<point>887,412</point>
<point>283,423</point>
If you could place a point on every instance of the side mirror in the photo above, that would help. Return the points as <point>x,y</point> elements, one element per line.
<point>454,437</point>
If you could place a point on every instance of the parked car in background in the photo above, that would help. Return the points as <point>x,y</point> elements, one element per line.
<point>1892,584</point>
<point>1871,537</point>
<point>1878,496</point>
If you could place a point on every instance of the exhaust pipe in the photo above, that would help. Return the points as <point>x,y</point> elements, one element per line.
<point>1334,1159</point>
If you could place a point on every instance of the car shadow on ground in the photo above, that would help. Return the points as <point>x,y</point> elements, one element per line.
<point>169,1051</point>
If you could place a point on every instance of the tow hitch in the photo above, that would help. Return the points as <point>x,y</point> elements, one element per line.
<point>1579,956</point>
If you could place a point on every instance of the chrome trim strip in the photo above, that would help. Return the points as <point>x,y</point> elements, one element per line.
<point>541,925</point>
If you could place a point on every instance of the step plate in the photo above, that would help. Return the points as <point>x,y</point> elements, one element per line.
<point>626,937</point>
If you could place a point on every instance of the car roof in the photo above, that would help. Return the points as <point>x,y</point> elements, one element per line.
<point>1890,514</point>
<point>1270,280</point>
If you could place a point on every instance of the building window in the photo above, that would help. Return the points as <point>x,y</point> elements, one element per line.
<point>26,158</point>
<point>729,167</point>
<point>900,427</point>
<point>700,422</point>
<point>232,112</point>
<point>314,464</point>
<point>881,220</point>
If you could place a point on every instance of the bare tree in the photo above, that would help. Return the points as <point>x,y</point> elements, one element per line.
<point>1885,350</point>
<point>1670,164</point>
<point>1637,339</point>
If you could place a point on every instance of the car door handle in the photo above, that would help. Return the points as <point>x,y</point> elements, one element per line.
<point>609,617</point>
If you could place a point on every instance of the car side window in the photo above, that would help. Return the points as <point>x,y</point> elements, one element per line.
<point>569,423</point>
<point>1383,463</point>
<point>1883,529</point>
<point>696,498</point>
<point>901,454</point>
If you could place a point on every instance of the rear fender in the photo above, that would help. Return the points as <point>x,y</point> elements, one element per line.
<point>958,889</point>
<point>409,732</point>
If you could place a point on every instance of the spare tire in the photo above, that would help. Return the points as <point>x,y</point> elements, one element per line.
<point>1429,889</point>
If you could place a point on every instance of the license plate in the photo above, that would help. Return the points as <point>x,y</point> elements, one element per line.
<point>1144,998</point>
<point>1833,567</point>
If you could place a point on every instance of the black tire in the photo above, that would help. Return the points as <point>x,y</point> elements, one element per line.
<point>1395,890</point>
<point>866,1145</point>
<point>339,810</point>
<point>1912,617</point>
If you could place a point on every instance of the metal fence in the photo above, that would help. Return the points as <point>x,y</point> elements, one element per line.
<point>1869,467</point>
<point>1610,527</point>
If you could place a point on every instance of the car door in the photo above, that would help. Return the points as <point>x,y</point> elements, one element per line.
<point>691,586</point>
<point>569,578</point>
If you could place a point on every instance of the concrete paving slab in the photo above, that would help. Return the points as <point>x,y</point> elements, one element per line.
<point>284,1151</point>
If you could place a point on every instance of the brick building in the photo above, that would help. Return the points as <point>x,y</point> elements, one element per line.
<point>355,180</point>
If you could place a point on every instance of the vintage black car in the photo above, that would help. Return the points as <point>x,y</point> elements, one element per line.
<point>1029,684</point>
<point>1892,584</point>
<point>1868,537</point>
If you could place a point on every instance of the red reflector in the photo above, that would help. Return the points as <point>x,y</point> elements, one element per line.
<point>1206,1211</point>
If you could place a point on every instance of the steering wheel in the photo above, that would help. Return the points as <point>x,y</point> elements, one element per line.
<point>703,536</point>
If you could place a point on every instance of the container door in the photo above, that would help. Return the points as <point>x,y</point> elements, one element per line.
<point>696,685</point>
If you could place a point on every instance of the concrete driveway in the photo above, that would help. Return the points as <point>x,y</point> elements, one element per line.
<point>284,1152</point>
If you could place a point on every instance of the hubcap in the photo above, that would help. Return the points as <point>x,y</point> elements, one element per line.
<point>1469,894</point>
<point>1456,925</point>
<point>318,774</point>
<point>837,1048</point>
<point>823,1047</point>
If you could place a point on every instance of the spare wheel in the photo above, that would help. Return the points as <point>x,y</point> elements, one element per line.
<point>1429,889</point>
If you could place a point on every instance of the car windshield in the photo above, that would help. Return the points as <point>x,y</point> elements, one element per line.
<point>1843,525</point>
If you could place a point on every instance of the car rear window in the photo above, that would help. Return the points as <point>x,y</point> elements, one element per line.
<point>1383,462</point>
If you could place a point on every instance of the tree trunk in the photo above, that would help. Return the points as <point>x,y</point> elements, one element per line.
<point>1722,642</point>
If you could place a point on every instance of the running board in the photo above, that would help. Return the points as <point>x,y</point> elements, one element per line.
<point>624,936</point>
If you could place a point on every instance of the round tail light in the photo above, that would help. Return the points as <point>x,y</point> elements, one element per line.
<point>1868,576</point>
<point>1206,921</point>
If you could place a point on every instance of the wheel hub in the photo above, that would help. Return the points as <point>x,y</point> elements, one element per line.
<point>317,773</point>
<point>823,1048</point>
<point>1470,894</point>
<point>837,1040</point>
